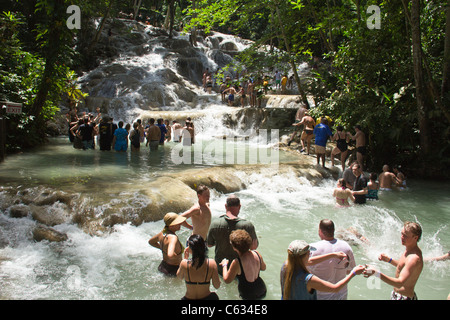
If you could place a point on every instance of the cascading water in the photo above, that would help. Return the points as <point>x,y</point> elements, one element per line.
<point>114,261</point>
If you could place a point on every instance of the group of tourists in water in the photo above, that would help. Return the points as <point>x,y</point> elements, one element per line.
<point>311,271</point>
<point>88,130</point>
<point>354,184</point>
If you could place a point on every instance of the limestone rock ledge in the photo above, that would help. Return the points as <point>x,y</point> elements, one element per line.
<point>144,202</point>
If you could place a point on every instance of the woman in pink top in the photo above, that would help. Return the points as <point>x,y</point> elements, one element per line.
<point>342,194</point>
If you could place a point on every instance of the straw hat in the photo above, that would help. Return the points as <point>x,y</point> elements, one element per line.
<point>172,219</point>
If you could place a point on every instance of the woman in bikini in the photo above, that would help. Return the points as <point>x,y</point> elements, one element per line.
<point>199,271</point>
<point>341,137</point>
<point>167,241</point>
<point>245,268</point>
<point>342,194</point>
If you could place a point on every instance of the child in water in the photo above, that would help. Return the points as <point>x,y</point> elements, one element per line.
<point>342,194</point>
<point>372,187</point>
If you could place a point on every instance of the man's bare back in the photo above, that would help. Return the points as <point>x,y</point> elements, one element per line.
<point>387,179</point>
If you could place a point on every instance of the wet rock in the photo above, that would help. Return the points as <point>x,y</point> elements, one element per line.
<point>167,194</point>
<point>19,211</point>
<point>222,179</point>
<point>50,215</point>
<point>49,198</point>
<point>41,232</point>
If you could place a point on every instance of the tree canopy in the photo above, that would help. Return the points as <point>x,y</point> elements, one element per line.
<point>382,64</point>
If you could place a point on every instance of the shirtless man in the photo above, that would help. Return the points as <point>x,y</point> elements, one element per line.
<point>360,145</point>
<point>200,213</point>
<point>409,266</point>
<point>188,134</point>
<point>387,179</point>
<point>153,135</point>
<point>307,134</point>
<point>301,112</point>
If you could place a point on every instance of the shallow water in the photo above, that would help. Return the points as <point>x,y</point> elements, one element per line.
<point>121,264</point>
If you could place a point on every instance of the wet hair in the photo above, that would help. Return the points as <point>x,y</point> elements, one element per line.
<point>120,124</point>
<point>342,183</point>
<point>233,201</point>
<point>327,227</point>
<point>240,240</point>
<point>199,250</point>
<point>339,128</point>
<point>373,176</point>
<point>414,228</point>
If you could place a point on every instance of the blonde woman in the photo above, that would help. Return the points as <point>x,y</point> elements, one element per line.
<point>297,283</point>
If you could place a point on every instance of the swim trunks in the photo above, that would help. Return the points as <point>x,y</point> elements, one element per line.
<point>231,97</point>
<point>361,150</point>
<point>385,189</point>
<point>398,296</point>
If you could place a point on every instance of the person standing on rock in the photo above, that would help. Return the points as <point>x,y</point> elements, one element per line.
<point>322,132</point>
<point>200,213</point>
<point>301,112</point>
<point>360,138</point>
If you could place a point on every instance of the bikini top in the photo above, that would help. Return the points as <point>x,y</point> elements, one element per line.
<point>206,275</point>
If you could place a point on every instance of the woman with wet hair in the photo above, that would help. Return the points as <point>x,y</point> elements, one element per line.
<point>199,271</point>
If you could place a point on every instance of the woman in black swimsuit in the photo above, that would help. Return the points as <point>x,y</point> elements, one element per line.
<point>341,137</point>
<point>245,268</point>
<point>199,271</point>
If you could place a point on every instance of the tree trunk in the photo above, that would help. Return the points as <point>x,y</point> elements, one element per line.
<point>445,87</point>
<point>100,28</point>
<point>172,17</point>
<point>419,79</point>
<point>51,55</point>
<point>291,60</point>
<point>136,6</point>
<point>193,36</point>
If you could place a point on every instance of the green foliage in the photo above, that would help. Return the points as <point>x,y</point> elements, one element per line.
<point>21,74</point>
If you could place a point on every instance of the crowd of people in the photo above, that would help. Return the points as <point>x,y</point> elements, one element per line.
<point>246,90</point>
<point>316,271</point>
<point>354,184</point>
<point>87,131</point>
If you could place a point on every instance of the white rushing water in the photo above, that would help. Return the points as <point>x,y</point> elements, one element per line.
<point>121,264</point>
